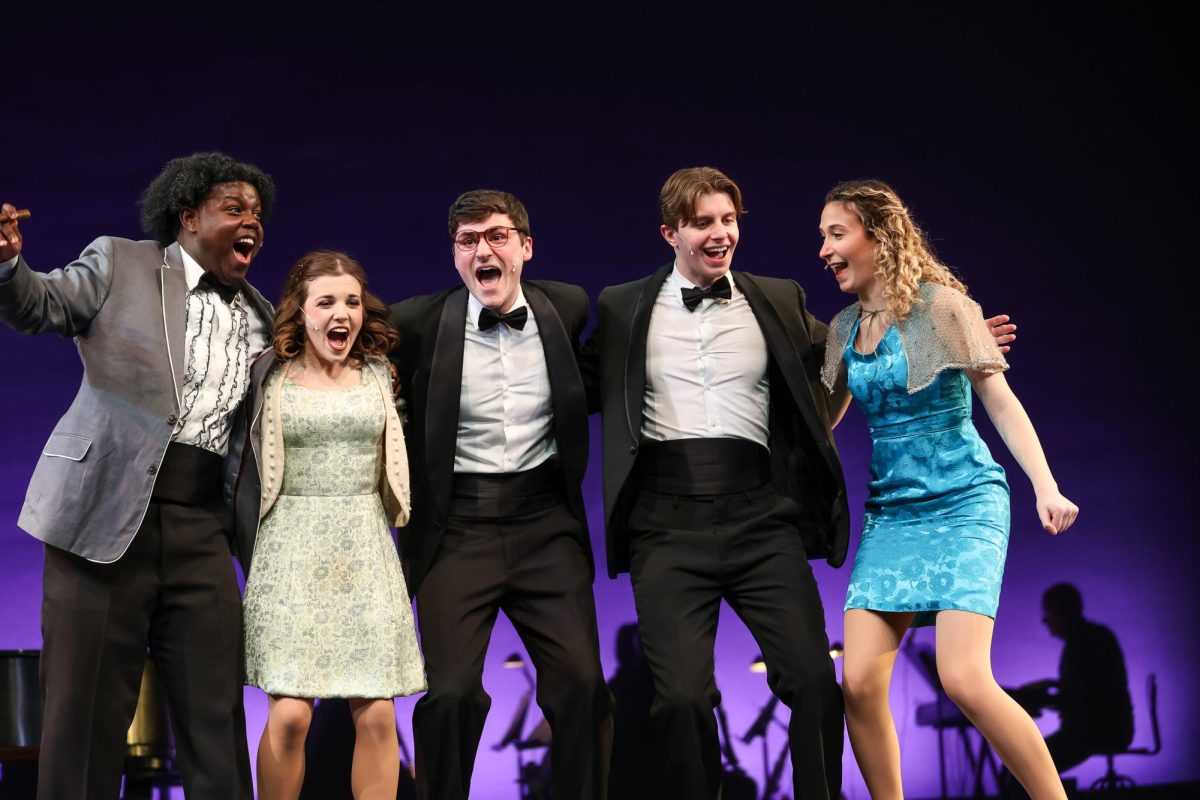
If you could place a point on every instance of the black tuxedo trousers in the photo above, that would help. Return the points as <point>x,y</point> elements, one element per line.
<point>173,593</point>
<point>687,553</point>
<point>531,566</point>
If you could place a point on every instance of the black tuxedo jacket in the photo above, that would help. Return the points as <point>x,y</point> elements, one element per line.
<point>430,360</point>
<point>804,460</point>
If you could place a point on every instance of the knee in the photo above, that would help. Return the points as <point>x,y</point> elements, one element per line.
<point>455,696</point>
<point>288,723</point>
<point>863,688</point>
<point>376,721</point>
<point>808,683</point>
<point>679,703</point>
<point>581,691</point>
<point>966,685</point>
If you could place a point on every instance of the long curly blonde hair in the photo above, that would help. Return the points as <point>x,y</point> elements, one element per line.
<point>904,259</point>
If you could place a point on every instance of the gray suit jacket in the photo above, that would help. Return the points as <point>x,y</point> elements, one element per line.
<point>125,304</point>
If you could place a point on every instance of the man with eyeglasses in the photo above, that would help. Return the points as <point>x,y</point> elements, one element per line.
<point>498,441</point>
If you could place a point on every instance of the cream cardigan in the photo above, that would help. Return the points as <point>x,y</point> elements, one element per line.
<point>394,487</point>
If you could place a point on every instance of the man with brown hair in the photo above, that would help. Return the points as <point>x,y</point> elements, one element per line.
<point>721,481</point>
<point>498,442</point>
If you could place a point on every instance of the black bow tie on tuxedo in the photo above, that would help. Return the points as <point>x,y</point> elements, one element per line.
<point>209,281</point>
<point>514,319</point>
<point>719,290</point>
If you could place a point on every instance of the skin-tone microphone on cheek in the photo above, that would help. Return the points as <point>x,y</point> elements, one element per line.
<point>691,252</point>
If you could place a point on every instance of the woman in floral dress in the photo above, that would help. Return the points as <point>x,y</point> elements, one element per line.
<point>327,613</point>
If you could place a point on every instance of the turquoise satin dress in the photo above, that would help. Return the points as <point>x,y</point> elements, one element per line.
<point>935,532</point>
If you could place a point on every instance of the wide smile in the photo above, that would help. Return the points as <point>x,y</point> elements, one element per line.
<point>243,249</point>
<point>716,254</point>
<point>838,267</point>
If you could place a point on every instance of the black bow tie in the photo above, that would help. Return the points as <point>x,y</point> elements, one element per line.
<point>719,290</point>
<point>514,319</point>
<point>209,281</point>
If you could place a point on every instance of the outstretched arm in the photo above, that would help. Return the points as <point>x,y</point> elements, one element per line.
<point>1056,512</point>
<point>63,301</point>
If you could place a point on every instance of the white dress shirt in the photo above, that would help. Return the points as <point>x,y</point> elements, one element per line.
<point>221,342</point>
<point>706,370</point>
<point>505,416</point>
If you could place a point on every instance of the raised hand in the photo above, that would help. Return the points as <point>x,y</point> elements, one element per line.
<point>10,233</point>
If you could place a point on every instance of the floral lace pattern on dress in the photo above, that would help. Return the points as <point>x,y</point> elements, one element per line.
<point>327,613</point>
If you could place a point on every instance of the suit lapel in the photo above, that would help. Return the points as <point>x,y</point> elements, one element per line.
<point>442,398</point>
<point>260,304</point>
<point>566,385</point>
<point>635,359</point>
<point>782,348</point>
<point>174,300</point>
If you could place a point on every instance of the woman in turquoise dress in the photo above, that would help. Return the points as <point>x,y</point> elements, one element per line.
<point>327,613</point>
<point>936,526</point>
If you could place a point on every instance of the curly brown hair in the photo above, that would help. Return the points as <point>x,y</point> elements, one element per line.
<point>377,336</point>
<point>904,258</point>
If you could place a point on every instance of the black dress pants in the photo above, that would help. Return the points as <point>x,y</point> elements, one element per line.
<point>687,553</point>
<point>533,568</point>
<point>175,592</point>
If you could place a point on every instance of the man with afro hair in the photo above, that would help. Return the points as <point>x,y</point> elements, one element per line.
<point>127,494</point>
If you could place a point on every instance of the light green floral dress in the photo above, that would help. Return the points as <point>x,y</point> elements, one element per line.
<point>327,613</point>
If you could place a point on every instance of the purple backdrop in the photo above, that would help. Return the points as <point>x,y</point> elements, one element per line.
<point>1048,158</point>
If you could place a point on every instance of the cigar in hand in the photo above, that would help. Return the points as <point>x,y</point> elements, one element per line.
<point>16,216</point>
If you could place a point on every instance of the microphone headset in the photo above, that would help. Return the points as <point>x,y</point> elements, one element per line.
<point>691,252</point>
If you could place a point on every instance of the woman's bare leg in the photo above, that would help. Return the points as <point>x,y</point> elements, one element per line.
<point>281,749</point>
<point>964,647</point>
<point>376,771</point>
<point>872,638</point>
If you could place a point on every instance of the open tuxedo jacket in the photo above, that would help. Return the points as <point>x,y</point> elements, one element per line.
<point>430,362</point>
<point>804,461</point>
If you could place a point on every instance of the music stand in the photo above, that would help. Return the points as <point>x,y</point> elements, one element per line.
<point>512,735</point>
